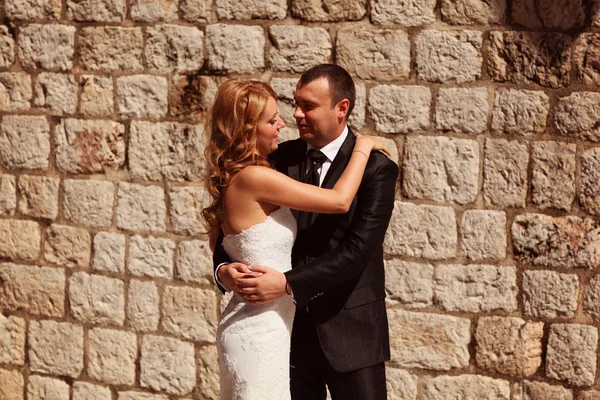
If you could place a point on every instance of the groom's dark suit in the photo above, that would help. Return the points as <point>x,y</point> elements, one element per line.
<point>337,275</point>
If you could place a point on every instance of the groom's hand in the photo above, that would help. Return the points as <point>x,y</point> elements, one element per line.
<point>229,274</point>
<point>264,287</point>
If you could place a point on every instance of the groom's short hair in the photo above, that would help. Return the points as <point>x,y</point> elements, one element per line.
<point>340,82</point>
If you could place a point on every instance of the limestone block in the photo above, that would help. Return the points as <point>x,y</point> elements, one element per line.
<point>194,262</point>
<point>357,118</point>
<point>12,340</point>
<point>571,355</point>
<point>109,252</point>
<point>24,142</point>
<point>55,348</point>
<point>142,96</point>
<point>143,305</point>
<point>8,195</point>
<point>141,208</point>
<point>151,257</point>
<point>557,14</point>
<point>87,391</point>
<point>553,178</point>
<point>96,10</point>
<point>589,395</point>
<point>112,48</point>
<point>586,55</point>
<point>235,48</point>
<point>140,396</point>
<point>111,356</point>
<point>520,112</point>
<point>208,372</point>
<point>400,109</point>
<point>473,12</point>
<point>191,95</point>
<point>153,10</point>
<point>19,239</point>
<point>195,10</point>
<point>97,95</point>
<point>48,46</point>
<point>11,385</point>
<point>548,294</point>
<point>297,48</point>
<point>35,290</point>
<point>404,13</point>
<point>578,116</point>
<point>56,93</point>
<point>329,10</point>
<point>174,48</point>
<point>401,385</point>
<point>97,299</point>
<point>589,190</point>
<point>462,110</point>
<point>88,202</point>
<point>531,390</point>
<point>15,91</point>
<point>7,47</point>
<point>285,89</point>
<point>67,246</point>
<point>250,9</point>
<point>38,196</point>
<point>33,9</point>
<point>483,235</point>
<point>591,299</point>
<point>43,388</point>
<point>190,313</point>
<point>186,209</point>
<point>409,283</point>
<point>466,387</point>
<point>505,173</point>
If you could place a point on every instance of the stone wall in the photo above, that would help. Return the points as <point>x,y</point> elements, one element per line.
<point>491,108</point>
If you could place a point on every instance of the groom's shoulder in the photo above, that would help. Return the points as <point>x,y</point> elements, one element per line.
<point>380,162</point>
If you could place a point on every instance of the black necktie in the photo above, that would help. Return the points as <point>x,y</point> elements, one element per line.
<point>316,159</point>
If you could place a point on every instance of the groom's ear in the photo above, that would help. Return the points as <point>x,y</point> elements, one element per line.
<point>342,108</point>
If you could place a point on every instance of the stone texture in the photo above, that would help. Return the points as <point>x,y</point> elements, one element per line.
<point>421,231</point>
<point>140,396</point>
<point>112,48</point>
<point>440,169</point>
<point>249,9</point>
<point>167,365</point>
<point>475,288</point>
<point>378,54</point>
<point>483,235</point>
<point>111,356</point>
<point>12,340</point>
<point>97,299</point>
<point>142,96</point>
<point>55,348</point>
<point>96,96</point>
<point>465,387</point>
<point>553,177</point>
<point>24,142</point>
<point>141,208</point>
<point>520,112</point>
<point>194,262</point>
<point>8,195</point>
<point>190,313</point>
<point>530,57</point>
<point>406,13</point>
<point>142,305</point>
<point>35,290</point>
<point>49,46</point>
<point>462,110</point>
<point>168,150</point>
<point>208,372</point>
<point>88,146</point>
<point>400,109</point>
<point>96,11</point>
<point>15,91</point>
<point>88,202</point>
<point>429,341</point>
<point>109,252</point>
<point>557,14</point>
<point>186,209</point>
<point>449,56</point>
<point>38,196</point>
<point>33,9</point>
<point>195,10</point>
<point>586,55</point>
<point>548,294</point>
<point>174,48</point>
<point>43,388</point>
<point>571,355</point>
<point>235,48</point>
<point>153,10</point>
<point>505,173</point>
<point>568,242</point>
<point>578,116</point>
<point>329,10</point>
<point>297,48</point>
<point>408,283</point>
<point>529,390</point>
<point>67,246</point>
<point>87,391</point>
<point>7,47</point>
<point>509,345</point>
<point>589,395</point>
<point>11,385</point>
<point>285,88</point>
<point>401,385</point>
<point>191,95</point>
<point>591,298</point>
<point>151,257</point>
<point>473,12</point>
<point>356,121</point>
<point>56,93</point>
<point>589,189</point>
<point>19,239</point>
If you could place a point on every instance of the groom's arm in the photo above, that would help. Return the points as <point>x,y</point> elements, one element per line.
<point>220,258</point>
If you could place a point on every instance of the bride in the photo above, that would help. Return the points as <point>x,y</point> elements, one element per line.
<point>251,205</point>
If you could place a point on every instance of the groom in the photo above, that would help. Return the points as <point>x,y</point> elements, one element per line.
<point>340,334</point>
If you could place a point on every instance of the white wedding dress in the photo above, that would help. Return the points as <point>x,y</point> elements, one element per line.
<point>253,341</point>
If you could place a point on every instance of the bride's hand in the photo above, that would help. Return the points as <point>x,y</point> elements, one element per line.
<point>370,143</point>
<point>264,287</point>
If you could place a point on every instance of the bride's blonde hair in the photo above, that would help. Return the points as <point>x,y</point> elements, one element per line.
<point>231,146</point>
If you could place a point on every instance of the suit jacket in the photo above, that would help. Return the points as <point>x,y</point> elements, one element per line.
<point>337,263</point>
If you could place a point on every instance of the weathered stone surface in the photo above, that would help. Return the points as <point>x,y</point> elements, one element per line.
<point>473,12</point>
<point>194,262</point>
<point>88,146</point>
<point>557,14</point>
<point>208,372</point>
<point>15,91</point>
<point>87,391</point>
<point>409,283</point>
<point>509,345</point>
<point>153,10</point>
<point>286,105</point>
<point>235,48</point>
<point>441,169</point>
<point>378,54</point>
<point>67,246</point>
<point>430,341</point>
<point>186,209</point>
<point>56,93</point>
<point>142,306</point>
<point>548,294</point>
<point>190,313</point>
<point>36,290</point>
<point>586,54</point>
<point>195,10</point>
<point>421,231</point>
<point>475,288</point>
<point>578,116</point>
<point>553,178</point>
<point>19,239</point>
<point>111,356</point>
<point>400,109</point>
<point>529,390</point>
<point>174,48</point>
<point>142,96</point>
<point>141,396</point>
<point>141,208</point>
<point>96,10</point>
<point>88,202</point>
<point>571,353</point>
<point>591,298</point>
<point>465,387</point>
<point>589,395</point>
<point>357,118</point>
<point>110,48</point>
<point>151,256</point>
<point>249,9</point>
<point>97,299</point>
<point>405,13</point>
<point>483,234</point>
<point>401,385</point>
<point>12,340</point>
<point>43,388</point>
<point>168,150</point>
<point>24,142</point>
<point>33,9</point>
<point>47,46</point>
<point>191,95</point>
<point>530,57</point>
<point>55,348</point>
<point>569,242</point>
<point>520,112</point>
<point>7,47</point>
<point>505,173</point>
<point>329,10</point>
<point>167,365</point>
<point>449,56</point>
<point>109,252</point>
<point>462,110</point>
<point>8,195</point>
<point>38,196</point>
<point>297,48</point>
<point>11,385</point>
<point>96,96</point>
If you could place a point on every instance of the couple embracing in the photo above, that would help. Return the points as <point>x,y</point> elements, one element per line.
<point>297,232</point>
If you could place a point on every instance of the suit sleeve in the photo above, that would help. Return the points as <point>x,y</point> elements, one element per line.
<point>366,232</point>
<point>219,257</point>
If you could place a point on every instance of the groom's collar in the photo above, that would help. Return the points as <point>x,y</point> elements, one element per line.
<point>331,149</point>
